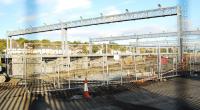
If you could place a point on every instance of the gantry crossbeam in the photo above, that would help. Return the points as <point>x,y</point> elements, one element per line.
<point>163,43</point>
<point>142,36</point>
<point>128,16</point>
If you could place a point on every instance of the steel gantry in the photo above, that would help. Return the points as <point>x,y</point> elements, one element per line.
<point>162,43</point>
<point>142,36</point>
<point>127,16</point>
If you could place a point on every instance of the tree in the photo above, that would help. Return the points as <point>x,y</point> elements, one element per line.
<point>21,41</point>
<point>95,48</point>
<point>2,45</point>
<point>45,41</point>
<point>85,49</point>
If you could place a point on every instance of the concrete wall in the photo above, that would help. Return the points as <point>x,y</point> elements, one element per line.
<point>35,65</point>
<point>32,66</point>
<point>17,66</point>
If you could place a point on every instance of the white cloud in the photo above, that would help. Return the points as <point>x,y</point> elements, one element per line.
<point>59,9</point>
<point>7,2</point>
<point>42,2</point>
<point>60,6</point>
<point>64,5</point>
<point>111,10</point>
<point>26,19</point>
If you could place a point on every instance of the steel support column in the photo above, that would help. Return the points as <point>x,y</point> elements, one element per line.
<point>64,40</point>
<point>179,33</point>
<point>7,48</point>
<point>90,47</point>
<point>10,43</point>
<point>159,62</point>
<point>107,65</point>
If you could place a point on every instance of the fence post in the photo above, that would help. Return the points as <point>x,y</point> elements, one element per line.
<point>121,71</point>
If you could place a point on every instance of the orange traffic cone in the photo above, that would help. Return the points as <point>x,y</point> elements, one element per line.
<point>86,93</point>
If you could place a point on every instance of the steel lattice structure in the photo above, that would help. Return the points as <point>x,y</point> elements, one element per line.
<point>163,43</point>
<point>142,36</point>
<point>128,16</point>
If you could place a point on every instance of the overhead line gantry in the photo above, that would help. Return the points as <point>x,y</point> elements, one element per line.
<point>127,16</point>
<point>142,36</point>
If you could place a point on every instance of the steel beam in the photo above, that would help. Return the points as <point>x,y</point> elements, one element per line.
<point>64,40</point>
<point>135,36</point>
<point>142,36</point>
<point>128,16</point>
<point>180,34</point>
<point>163,43</point>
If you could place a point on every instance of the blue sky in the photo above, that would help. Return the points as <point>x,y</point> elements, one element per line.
<point>19,14</point>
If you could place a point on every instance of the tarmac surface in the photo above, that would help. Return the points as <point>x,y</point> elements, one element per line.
<point>173,94</point>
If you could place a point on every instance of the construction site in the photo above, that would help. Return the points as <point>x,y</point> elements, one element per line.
<point>102,75</point>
